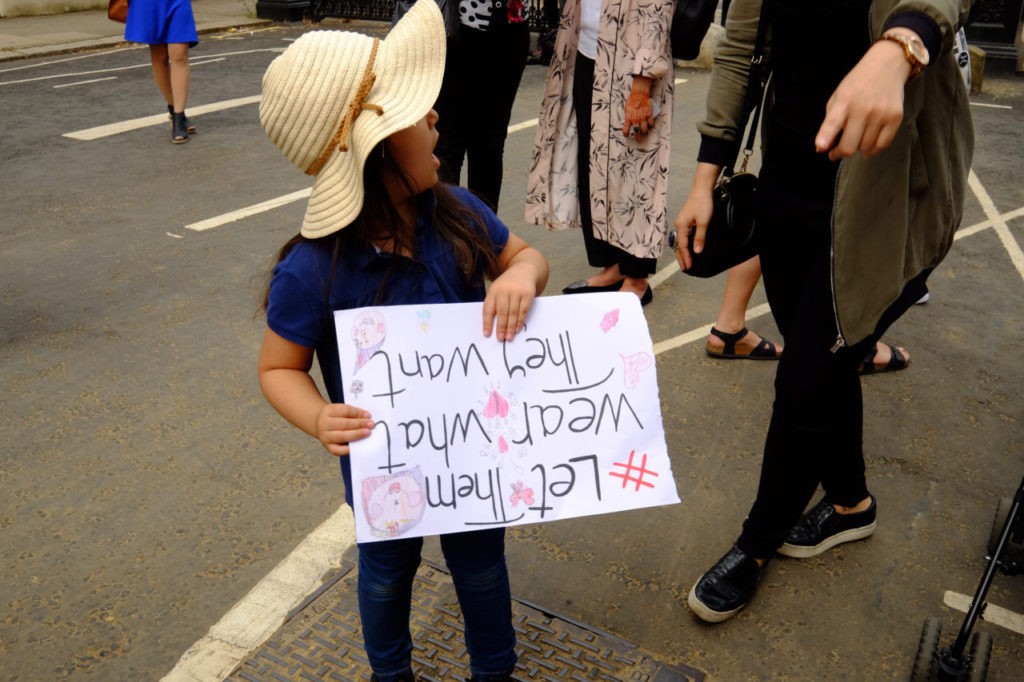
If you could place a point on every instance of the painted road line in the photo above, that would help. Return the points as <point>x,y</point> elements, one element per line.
<point>157,119</point>
<point>261,612</point>
<point>998,224</point>
<point>996,615</point>
<point>985,224</point>
<point>516,127</point>
<point>93,80</point>
<point>991,106</point>
<point>261,207</point>
<point>76,58</point>
<point>76,74</point>
<point>200,60</point>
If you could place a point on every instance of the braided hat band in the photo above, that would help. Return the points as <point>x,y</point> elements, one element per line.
<point>358,105</point>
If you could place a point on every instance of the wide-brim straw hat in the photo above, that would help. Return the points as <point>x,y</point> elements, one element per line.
<point>326,106</point>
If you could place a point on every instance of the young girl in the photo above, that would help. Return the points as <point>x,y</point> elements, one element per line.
<point>379,230</point>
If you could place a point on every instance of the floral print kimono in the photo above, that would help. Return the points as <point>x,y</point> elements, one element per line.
<point>628,177</point>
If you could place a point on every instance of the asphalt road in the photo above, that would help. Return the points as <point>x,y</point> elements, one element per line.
<point>147,486</point>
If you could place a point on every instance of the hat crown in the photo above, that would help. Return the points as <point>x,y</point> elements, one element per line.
<point>308,88</point>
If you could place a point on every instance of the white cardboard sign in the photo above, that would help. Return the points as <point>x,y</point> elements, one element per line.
<point>471,432</point>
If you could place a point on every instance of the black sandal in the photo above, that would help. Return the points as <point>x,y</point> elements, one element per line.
<point>897,361</point>
<point>765,350</point>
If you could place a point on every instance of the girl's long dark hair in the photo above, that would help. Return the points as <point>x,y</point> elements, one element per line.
<point>380,220</point>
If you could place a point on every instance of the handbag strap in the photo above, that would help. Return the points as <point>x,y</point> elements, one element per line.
<point>755,88</point>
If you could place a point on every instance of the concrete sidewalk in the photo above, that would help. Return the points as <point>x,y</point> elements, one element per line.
<point>35,36</point>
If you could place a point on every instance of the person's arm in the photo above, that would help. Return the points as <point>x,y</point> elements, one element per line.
<point>644,34</point>
<point>522,274</point>
<point>284,378</point>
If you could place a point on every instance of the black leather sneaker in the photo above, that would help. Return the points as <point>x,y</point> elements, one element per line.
<point>726,587</point>
<point>823,528</point>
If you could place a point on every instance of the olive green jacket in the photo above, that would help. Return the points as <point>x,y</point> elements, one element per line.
<point>895,214</point>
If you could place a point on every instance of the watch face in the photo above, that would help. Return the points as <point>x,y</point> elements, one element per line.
<point>919,51</point>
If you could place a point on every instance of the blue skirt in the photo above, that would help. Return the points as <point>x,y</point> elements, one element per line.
<point>161,22</point>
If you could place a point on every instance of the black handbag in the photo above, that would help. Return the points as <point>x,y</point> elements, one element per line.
<point>731,235</point>
<point>449,10</point>
<point>691,20</point>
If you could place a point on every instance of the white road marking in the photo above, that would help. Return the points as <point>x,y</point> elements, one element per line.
<point>157,119</point>
<point>146,65</point>
<point>261,612</point>
<point>92,80</point>
<point>261,207</point>
<point>991,106</point>
<point>76,74</point>
<point>68,59</point>
<point>985,224</point>
<point>207,61</point>
<point>987,205</point>
<point>516,127</point>
<point>996,615</point>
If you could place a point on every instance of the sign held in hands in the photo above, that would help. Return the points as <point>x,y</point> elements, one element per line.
<point>471,432</point>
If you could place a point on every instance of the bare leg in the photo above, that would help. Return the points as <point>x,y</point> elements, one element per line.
<point>180,75</point>
<point>161,71</point>
<point>861,506</point>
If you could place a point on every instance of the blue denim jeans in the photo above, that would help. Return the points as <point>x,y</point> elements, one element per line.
<point>476,560</point>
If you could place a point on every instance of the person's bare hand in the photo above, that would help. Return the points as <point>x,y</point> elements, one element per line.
<point>866,109</point>
<point>639,113</point>
<point>508,303</point>
<point>695,214</point>
<point>338,424</point>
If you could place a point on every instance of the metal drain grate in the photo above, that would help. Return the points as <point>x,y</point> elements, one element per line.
<point>323,641</point>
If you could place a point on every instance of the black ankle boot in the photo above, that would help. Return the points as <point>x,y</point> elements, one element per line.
<point>179,131</point>
<point>189,125</point>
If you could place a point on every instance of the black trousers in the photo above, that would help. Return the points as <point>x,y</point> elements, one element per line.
<point>481,76</point>
<point>600,254</point>
<point>815,433</point>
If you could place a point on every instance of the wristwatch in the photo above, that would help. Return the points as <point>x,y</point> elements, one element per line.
<point>913,49</point>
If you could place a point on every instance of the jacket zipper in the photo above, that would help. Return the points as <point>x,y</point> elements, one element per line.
<point>840,339</point>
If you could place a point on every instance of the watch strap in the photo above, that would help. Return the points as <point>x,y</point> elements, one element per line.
<point>916,67</point>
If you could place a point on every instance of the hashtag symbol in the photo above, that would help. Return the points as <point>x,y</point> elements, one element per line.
<point>633,473</point>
